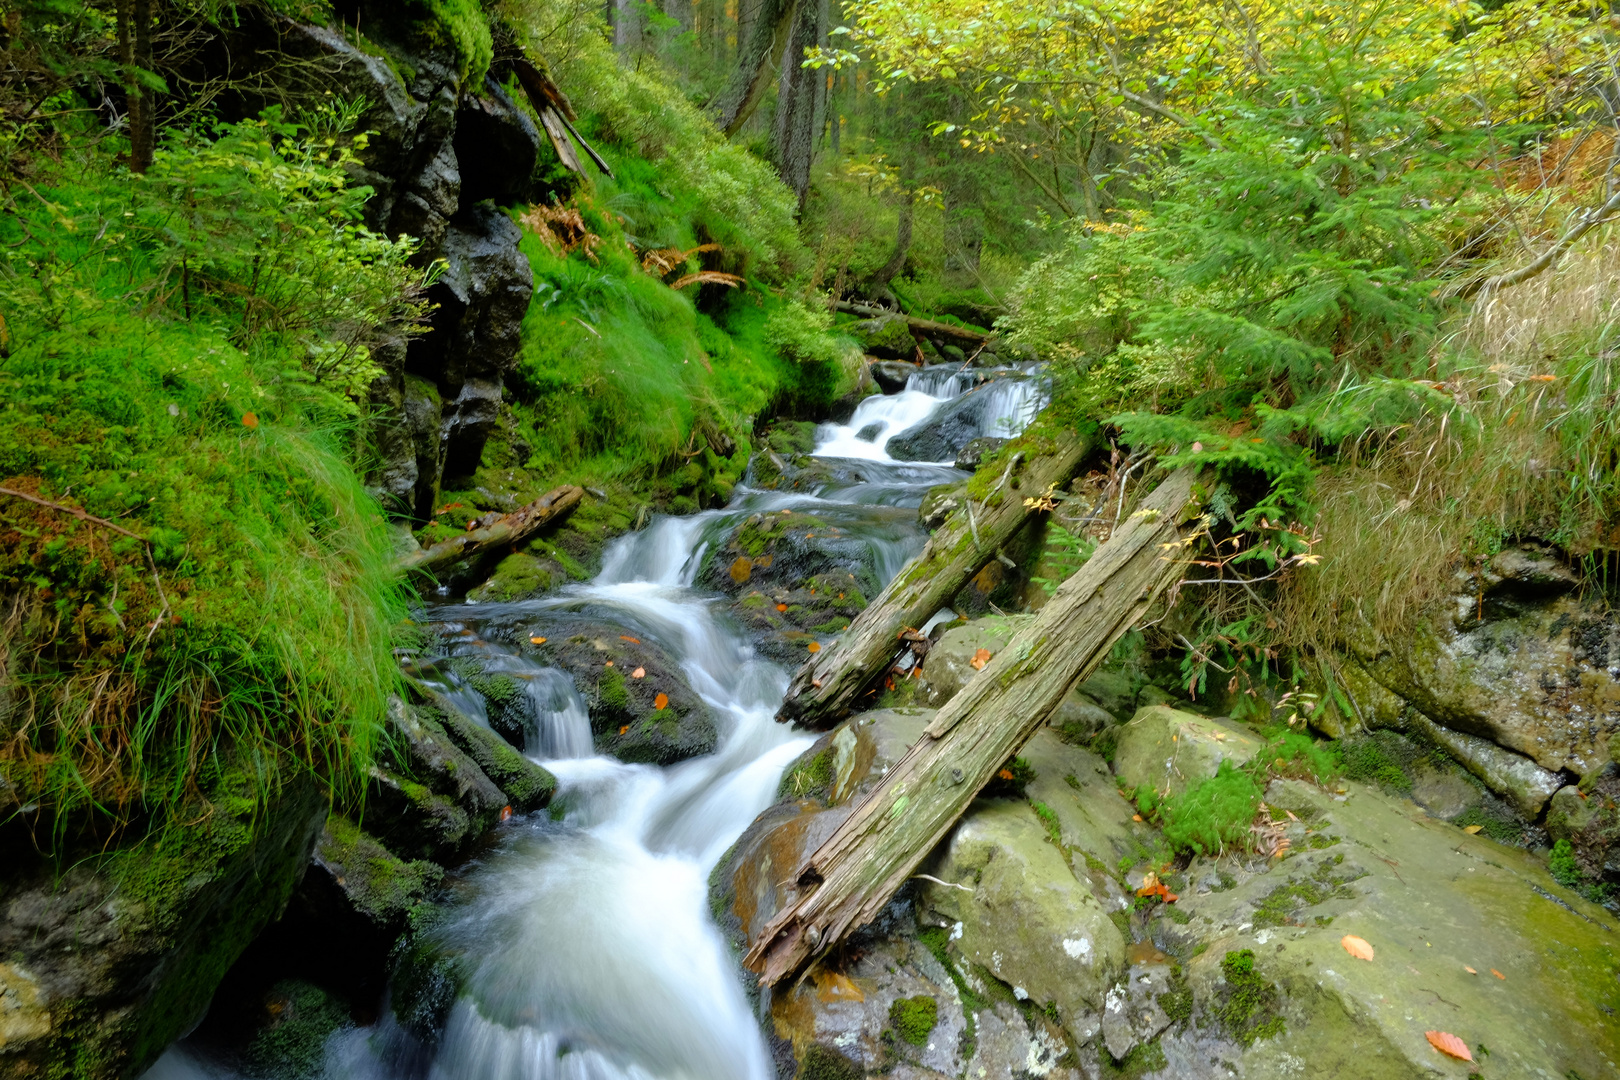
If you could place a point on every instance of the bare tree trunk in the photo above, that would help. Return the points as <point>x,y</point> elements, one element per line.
<point>847,881</point>
<point>902,242</point>
<point>626,26</point>
<point>733,106</point>
<point>822,690</point>
<point>800,98</point>
<point>134,18</point>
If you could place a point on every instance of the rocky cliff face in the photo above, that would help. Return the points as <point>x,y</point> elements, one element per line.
<point>443,155</point>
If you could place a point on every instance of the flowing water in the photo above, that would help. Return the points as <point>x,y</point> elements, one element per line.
<point>588,946</point>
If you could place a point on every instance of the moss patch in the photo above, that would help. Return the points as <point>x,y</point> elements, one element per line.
<point>1250,1011</point>
<point>1281,904</point>
<point>302,1017</point>
<point>914,1017</point>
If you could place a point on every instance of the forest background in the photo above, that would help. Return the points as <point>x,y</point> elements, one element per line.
<point>1352,253</point>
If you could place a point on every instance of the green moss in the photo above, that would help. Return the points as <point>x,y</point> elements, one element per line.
<point>1561,864</point>
<point>1148,1057</point>
<point>936,941</point>
<point>1367,760</point>
<point>1280,905</point>
<point>1297,755</point>
<point>1177,1002</point>
<point>815,775</point>
<point>613,691</point>
<point>1049,819</point>
<point>914,1017</point>
<point>293,1047</point>
<point>1501,827</point>
<point>1250,1011</point>
<point>824,1063</point>
<point>1213,814</point>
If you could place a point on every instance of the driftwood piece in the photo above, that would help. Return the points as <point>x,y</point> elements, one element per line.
<point>510,528</point>
<point>824,688</point>
<point>847,881</point>
<point>922,326</point>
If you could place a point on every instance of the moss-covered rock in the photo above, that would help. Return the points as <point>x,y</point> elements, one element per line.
<point>300,1018</point>
<point>1169,750</point>
<point>527,786</point>
<point>516,577</point>
<point>109,962</point>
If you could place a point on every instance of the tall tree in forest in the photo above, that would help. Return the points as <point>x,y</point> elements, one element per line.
<point>801,97</point>
<point>762,38</point>
<point>134,18</point>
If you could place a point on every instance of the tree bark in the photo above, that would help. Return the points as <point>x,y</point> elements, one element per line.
<point>626,26</point>
<point>847,881</point>
<point>134,27</point>
<point>800,98</point>
<point>824,688</point>
<point>925,326</point>
<point>507,529</point>
<point>902,242</point>
<point>763,40</point>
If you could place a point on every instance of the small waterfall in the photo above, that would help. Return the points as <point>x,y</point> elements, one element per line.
<point>942,381</point>
<point>1011,402</point>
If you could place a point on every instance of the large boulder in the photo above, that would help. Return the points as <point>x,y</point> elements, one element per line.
<point>892,376</point>
<point>961,653</point>
<point>1018,912</point>
<point>943,435</point>
<point>1469,937</point>
<point>105,963</point>
<point>1170,750</point>
<point>1517,658</point>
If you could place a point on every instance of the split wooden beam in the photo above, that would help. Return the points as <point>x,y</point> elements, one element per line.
<point>556,114</point>
<point>926,327</point>
<point>507,529</point>
<point>825,687</point>
<point>849,879</point>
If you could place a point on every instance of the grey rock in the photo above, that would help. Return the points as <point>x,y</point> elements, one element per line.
<point>972,455</point>
<point>1513,776</point>
<point>892,375</point>
<point>949,666</point>
<point>870,432</point>
<point>498,144</point>
<point>1170,750</point>
<point>110,960</point>
<point>942,436</point>
<point>1131,1013</point>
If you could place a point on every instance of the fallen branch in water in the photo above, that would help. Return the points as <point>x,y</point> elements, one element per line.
<point>506,529</point>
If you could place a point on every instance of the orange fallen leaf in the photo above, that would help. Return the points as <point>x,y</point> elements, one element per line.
<point>1136,817</point>
<point>661,701</point>
<point>1447,1043</point>
<point>1541,378</point>
<point>506,813</point>
<point>537,641</point>
<point>1005,774</point>
<point>249,420</point>
<point>1499,975</point>
<point>631,640</point>
<point>639,673</point>
<point>624,728</point>
<point>1152,886</point>
<point>814,646</point>
<point>840,596</point>
<point>980,658</point>
<point>610,663</point>
<point>1356,947</point>
<point>781,607</point>
<point>1470,970</point>
<point>1472,830</point>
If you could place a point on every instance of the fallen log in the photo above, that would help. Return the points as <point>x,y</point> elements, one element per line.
<point>847,881</point>
<point>824,688</point>
<point>510,528</point>
<point>922,326</point>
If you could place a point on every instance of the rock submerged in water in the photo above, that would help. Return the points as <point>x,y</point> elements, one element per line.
<point>944,434</point>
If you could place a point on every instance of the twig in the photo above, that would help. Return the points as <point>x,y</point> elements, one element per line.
<point>973,526</point>
<point>936,881</point>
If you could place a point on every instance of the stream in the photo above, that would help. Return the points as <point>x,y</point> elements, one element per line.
<point>589,950</point>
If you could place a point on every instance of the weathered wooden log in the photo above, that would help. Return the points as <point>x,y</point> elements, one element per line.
<point>824,688</point>
<point>922,326</point>
<point>510,528</point>
<point>847,881</point>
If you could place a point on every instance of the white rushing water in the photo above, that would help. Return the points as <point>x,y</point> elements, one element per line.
<point>588,946</point>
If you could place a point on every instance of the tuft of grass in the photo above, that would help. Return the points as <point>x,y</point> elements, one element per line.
<point>197,536</point>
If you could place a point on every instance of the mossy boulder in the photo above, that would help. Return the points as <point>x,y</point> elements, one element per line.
<point>1434,902</point>
<point>105,963</point>
<point>1169,750</point>
<point>518,577</point>
<point>299,1019</point>
<point>949,665</point>
<point>653,718</point>
<point>1019,912</point>
<point>887,337</point>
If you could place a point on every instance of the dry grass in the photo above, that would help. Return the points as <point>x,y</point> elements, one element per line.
<point>1525,451</point>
